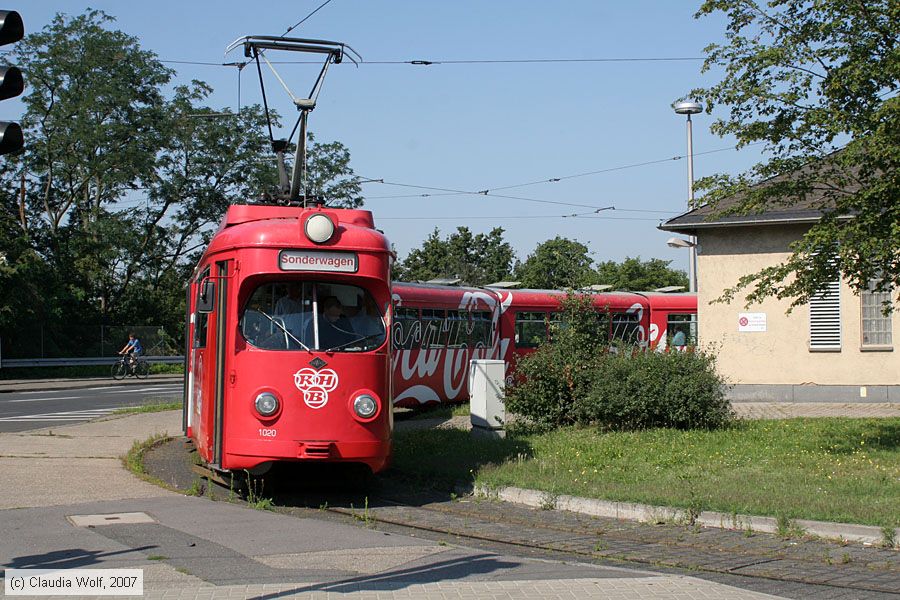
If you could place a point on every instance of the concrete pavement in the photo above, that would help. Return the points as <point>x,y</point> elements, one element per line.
<point>195,548</point>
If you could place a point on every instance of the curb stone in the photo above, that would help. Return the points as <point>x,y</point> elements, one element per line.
<point>865,534</point>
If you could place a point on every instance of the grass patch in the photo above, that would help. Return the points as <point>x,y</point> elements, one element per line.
<point>149,408</point>
<point>844,470</point>
<point>134,459</point>
<point>441,411</point>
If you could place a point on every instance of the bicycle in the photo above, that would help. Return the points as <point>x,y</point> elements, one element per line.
<point>129,365</point>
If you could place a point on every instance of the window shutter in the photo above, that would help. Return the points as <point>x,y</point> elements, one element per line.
<point>825,318</point>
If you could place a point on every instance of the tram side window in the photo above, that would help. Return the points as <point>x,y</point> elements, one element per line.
<point>200,328</point>
<point>434,330</point>
<point>202,318</point>
<point>407,328</point>
<point>626,327</point>
<point>481,329</point>
<point>531,329</point>
<point>686,324</point>
<point>458,329</point>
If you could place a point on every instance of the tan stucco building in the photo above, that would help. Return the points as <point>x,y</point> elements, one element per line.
<point>838,348</point>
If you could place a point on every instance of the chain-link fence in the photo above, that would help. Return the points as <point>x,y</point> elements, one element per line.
<point>85,342</point>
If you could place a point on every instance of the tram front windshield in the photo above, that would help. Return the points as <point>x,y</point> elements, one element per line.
<point>311,315</point>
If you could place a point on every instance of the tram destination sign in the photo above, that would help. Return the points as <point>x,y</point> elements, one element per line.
<point>312,260</point>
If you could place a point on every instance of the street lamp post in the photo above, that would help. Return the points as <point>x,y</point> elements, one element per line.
<point>690,108</point>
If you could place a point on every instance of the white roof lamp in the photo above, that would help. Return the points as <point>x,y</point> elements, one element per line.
<point>319,228</point>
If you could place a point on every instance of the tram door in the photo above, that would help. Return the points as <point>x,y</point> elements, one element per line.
<point>208,361</point>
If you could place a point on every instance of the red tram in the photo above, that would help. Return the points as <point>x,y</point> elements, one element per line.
<point>288,356</point>
<point>437,330</point>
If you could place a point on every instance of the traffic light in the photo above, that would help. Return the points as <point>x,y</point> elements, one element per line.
<point>11,83</point>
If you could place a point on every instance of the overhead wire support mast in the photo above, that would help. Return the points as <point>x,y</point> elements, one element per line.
<point>254,48</point>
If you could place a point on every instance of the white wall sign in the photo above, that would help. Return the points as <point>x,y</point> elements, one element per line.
<point>313,260</point>
<point>751,322</point>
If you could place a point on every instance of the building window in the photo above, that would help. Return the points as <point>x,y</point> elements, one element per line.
<point>876,326</point>
<point>825,319</point>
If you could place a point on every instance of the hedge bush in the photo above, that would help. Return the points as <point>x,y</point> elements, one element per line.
<point>639,390</point>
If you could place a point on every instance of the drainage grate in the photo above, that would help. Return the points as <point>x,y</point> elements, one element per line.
<point>130,518</point>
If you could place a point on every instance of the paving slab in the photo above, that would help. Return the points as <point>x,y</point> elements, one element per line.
<point>790,410</point>
<point>77,463</point>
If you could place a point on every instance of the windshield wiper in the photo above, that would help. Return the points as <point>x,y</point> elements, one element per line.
<point>284,329</point>
<point>359,339</point>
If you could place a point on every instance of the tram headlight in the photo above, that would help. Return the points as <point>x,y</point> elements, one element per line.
<point>266,404</point>
<point>319,228</point>
<point>365,406</point>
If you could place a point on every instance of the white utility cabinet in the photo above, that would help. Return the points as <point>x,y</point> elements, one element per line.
<point>486,381</point>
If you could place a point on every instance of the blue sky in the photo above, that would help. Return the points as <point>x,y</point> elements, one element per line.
<point>477,126</point>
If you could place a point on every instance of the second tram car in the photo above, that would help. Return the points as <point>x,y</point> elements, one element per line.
<point>438,329</point>
<point>288,358</point>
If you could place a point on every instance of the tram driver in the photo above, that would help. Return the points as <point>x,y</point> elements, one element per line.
<point>334,328</point>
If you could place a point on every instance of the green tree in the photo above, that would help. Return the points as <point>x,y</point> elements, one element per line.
<point>556,264</point>
<point>330,175</point>
<point>120,187</point>
<point>638,275</point>
<point>475,259</point>
<point>816,83</point>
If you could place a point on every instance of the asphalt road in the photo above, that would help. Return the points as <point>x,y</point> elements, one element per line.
<point>21,411</point>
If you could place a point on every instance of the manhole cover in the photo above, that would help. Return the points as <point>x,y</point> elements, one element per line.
<point>130,518</point>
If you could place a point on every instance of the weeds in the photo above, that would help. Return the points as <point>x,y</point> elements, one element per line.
<point>196,488</point>
<point>134,459</point>
<point>254,494</point>
<point>787,528</point>
<point>365,517</point>
<point>888,537</point>
<point>152,407</point>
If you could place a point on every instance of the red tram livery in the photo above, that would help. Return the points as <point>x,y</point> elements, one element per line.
<point>288,356</point>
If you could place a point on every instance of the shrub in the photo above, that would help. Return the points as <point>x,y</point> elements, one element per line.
<point>549,380</point>
<point>637,390</point>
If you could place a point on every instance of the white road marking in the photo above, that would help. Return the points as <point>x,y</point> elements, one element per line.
<point>74,415</point>
<point>142,390</point>
<point>43,399</point>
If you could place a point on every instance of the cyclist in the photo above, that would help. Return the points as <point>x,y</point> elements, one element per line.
<point>134,348</point>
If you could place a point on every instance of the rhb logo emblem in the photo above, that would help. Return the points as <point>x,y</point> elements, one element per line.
<point>315,386</point>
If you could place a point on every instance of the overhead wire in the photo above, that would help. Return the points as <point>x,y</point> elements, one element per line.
<point>489,192</point>
<point>505,217</point>
<point>303,20</point>
<point>485,61</point>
